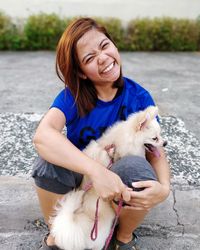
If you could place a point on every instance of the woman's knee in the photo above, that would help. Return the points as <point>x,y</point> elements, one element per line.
<point>134,168</point>
<point>54,178</point>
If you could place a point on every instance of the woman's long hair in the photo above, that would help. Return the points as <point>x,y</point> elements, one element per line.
<point>68,67</point>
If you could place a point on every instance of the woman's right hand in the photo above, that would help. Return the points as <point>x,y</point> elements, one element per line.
<point>108,185</point>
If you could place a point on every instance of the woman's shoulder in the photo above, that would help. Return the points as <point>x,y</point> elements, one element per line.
<point>66,103</point>
<point>134,87</point>
<point>137,95</point>
<point>65,96</point>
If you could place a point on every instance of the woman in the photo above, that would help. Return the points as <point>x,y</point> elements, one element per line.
<point>95,97</point>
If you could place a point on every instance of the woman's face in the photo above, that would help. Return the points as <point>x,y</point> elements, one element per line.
<point>99,58</point>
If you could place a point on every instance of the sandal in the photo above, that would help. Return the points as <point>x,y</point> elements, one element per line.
<point>44,245</point>
<point>118,245</point>
<point>131,245</point>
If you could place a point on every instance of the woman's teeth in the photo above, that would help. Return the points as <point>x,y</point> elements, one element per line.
<point>108,68</point>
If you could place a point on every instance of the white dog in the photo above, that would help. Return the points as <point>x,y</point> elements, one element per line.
<point>74,219</point>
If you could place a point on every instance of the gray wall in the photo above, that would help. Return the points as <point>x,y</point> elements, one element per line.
<point>123,9</point>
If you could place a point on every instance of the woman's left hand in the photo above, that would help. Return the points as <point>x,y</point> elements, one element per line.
<point>154,192</point>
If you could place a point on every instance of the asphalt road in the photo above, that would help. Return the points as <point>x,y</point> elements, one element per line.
<point>28,85</point>
<point>28,82</point>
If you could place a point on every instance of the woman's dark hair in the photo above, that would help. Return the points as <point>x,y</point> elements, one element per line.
<point>68,67</point>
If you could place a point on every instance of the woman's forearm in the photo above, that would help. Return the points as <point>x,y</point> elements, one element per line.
<point>161,167</point>
<point>54,147</point>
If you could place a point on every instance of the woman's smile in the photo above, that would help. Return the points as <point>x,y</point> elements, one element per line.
<point>99,58</point>
<point>108,68</point>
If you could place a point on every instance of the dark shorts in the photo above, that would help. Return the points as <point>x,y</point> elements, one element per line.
<point>60,180</point>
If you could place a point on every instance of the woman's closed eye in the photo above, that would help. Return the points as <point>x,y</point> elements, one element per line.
<point>105,45</point>
<point>89,59</point>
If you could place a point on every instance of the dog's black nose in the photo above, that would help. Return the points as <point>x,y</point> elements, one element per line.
<point>164,143</point>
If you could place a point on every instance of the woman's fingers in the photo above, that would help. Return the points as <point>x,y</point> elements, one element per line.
<point>107,184</point>
<point>126,194</point>
<point>143,184</point>
<point>138,208</point>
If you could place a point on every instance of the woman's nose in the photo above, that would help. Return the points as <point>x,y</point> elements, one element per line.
<point>102,58</point>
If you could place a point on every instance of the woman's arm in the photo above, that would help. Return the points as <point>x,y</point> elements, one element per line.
<point>162,168</point>
<point>54,147</point>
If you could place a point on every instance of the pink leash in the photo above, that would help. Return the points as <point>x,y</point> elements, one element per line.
<point>114,224</point>
<point>94,231</point>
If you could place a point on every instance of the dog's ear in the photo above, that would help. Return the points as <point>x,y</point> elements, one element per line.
<point>143,121</point>
<point>153,111</point>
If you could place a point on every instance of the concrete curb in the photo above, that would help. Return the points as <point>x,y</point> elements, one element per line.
<point>169,225</point>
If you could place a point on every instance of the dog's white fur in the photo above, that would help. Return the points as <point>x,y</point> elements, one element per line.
<point>72,225</point>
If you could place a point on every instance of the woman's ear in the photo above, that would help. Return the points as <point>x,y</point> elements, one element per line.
<point>81,75</point>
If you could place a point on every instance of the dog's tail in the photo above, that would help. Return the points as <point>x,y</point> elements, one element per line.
<point>66,223</point>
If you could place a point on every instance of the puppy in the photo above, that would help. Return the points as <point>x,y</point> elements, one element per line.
<point>75,214</point>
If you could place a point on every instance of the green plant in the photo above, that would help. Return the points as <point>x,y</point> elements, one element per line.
<point>198,26</point>
<point>7,30</point>
<point>44,30</point>
<point>115,29</point>
<point>184,35</point>
<point>140,35</point>
<point>162,34</point>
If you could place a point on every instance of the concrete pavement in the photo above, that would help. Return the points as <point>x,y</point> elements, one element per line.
<point>28,85</point>
<point>28,82</point>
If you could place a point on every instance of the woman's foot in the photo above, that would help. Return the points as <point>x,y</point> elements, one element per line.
<point>117,243</point>
<point>130,245</point>
<point>48,243</point>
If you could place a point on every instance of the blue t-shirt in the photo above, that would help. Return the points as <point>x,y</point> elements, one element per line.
<point>80,130</point>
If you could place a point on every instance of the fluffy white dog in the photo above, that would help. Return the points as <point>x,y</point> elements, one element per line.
<point>74,219</point>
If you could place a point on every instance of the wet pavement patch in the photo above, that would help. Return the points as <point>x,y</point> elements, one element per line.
<point>36,225</point>
<point>18,154</point>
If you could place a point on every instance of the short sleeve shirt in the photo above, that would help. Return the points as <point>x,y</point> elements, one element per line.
<point>80,130</point>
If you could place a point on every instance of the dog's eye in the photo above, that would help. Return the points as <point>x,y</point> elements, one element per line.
<point>155,138</point>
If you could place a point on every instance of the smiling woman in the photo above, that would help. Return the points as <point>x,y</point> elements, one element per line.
<point>92,53</point>
<point>100,62</point>
<point>99,58</point>
<point>96,96</point>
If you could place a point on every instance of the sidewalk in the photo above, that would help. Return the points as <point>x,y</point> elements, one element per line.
<point>27,86</point>
<point>169,226</point>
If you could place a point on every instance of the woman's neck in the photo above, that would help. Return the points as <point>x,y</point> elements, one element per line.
<point>106,93</point>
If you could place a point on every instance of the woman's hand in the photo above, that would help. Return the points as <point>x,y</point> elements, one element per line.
<point>108,185</point>
<point>154,193</point>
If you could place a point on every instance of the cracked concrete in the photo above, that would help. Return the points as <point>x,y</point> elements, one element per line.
<point>186,212</point>
<point>176,212</point>
<point>22,226</point>
<point>171,78</point>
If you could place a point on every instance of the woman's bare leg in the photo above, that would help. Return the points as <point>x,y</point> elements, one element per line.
<point>47,202</point>
<point>129,220</point>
